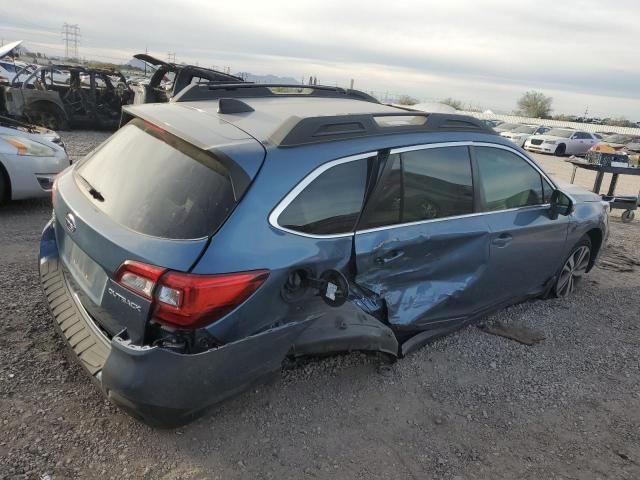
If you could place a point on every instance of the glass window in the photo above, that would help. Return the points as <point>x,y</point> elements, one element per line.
<point>331,203</point>
<point>507,180</point>
<point>422,185</point>
<point>157,184</point>
<point>547,190</point>
<point>385,205</point>
<point>437,183</point>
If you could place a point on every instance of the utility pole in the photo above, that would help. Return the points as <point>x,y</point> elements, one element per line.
<point>70,35</point>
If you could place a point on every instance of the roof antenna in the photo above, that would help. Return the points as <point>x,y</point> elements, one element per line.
<point>233,105</point>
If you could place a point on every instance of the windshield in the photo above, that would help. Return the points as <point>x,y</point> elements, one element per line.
<point>619,138</point>
<point>525,129</point>
<point>157,184</point>
<point>560,132</point>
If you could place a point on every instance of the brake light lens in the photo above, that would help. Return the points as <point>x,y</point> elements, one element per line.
<point>139,277</point>
<point>190,301</point>
<point>186,300</point>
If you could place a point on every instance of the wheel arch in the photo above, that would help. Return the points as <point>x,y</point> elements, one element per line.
<point>45,104</point>
<point>595,235</point>
<point>4,176</point>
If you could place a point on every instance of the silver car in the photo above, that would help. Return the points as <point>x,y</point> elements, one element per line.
<point>30,159</point>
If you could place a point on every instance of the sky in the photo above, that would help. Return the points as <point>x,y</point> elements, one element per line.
<point>486,53</point>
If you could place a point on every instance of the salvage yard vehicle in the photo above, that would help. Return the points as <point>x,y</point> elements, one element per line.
<point>619,141</point>
<point>30,158</point>
<point>562,141</point>
<point>217,235</point>
<point>169,79</point>
<point>87,97</point>
<point>523,133</point>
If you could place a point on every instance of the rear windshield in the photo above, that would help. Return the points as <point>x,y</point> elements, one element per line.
<point>157,184</point>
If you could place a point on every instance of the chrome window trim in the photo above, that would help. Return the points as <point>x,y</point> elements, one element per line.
<point>455,217</point>
<point>284,203</point>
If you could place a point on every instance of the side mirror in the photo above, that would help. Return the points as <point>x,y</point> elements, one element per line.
<point>561,204</point>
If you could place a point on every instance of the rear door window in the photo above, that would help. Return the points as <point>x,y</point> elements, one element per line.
<point>330,204</point>
<point>422,185</point>
<point>157,184</point>
<point>507,180</point>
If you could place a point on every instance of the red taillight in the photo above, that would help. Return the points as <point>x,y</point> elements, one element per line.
<point>187,300</point>
<point>139,277</point>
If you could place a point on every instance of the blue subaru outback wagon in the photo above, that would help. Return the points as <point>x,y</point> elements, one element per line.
<point>213,237</point>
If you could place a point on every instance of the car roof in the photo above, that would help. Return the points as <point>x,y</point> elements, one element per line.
<point>286,121</point>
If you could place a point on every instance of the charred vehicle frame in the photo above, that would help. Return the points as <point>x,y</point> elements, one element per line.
<point>92,97</point>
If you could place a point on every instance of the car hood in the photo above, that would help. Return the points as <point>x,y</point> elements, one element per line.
<point>6,49</point>
<point>579,194</point>
<point>149,59</point>
<point>550,137</point>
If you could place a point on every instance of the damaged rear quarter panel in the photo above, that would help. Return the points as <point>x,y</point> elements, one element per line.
<point>426,273</point>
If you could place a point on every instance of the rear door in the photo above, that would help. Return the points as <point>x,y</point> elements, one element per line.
<point>526,244</point>
<point>144,195</point>
<point>420,244</point>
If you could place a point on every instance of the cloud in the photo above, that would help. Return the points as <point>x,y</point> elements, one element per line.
<point>486,52</point>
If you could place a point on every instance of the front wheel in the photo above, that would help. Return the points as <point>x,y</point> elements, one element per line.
<point>574,267</point>
<point>560,150</point>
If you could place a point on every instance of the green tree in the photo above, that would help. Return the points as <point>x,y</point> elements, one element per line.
<point>534,104</point>
<point>407,100</point>
<point>452,102</point>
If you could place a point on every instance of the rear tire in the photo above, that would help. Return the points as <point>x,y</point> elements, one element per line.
<point>573,268</point>
<point>48,116</point>
<point>560,150</point>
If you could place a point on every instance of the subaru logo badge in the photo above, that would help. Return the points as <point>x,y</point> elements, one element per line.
<point>70,222</point>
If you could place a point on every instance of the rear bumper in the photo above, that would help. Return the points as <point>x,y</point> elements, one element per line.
<point>159,386</point>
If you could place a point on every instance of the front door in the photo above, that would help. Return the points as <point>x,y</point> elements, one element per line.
<point>526,244</point>
<point>420,243</point>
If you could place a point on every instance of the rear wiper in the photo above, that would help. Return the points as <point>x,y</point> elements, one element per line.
<point>92,191</point>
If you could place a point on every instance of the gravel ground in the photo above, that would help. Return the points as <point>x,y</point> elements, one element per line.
<point>469,406</point>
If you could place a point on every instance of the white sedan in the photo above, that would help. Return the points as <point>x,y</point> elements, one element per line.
<point>521,134</point>
<point>29,162</point>
<point>562,141</point>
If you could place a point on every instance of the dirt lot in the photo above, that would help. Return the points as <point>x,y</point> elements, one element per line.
<point>470,406</point>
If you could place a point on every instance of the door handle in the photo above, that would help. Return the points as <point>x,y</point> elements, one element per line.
<point>389,257</point>
<point>502,240</point>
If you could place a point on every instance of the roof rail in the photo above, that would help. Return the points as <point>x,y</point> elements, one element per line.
<point>216,91</point>
<point>303,131</point>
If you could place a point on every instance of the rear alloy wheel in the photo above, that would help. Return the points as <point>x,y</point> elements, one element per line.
<point>560,150</point>
<point>573,269</point>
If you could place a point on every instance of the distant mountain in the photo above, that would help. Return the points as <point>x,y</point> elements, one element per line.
<point>250,77</point>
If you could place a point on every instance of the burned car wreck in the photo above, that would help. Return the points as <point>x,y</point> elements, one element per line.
<point>278,223</point>
<point>169,79</point>
<point>68,96</point>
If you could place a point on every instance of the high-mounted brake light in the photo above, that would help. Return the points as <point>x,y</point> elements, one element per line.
<point>190,301</point>
<point>186,300</point>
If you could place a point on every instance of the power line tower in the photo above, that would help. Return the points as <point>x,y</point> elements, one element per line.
<point>171,57</point>
<point>70,35</point>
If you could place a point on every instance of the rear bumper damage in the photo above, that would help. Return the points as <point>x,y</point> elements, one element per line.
<point>166,388</point>
<point>157,385</point>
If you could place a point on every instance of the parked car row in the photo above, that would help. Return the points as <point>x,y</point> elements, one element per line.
<point>550,140</point>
